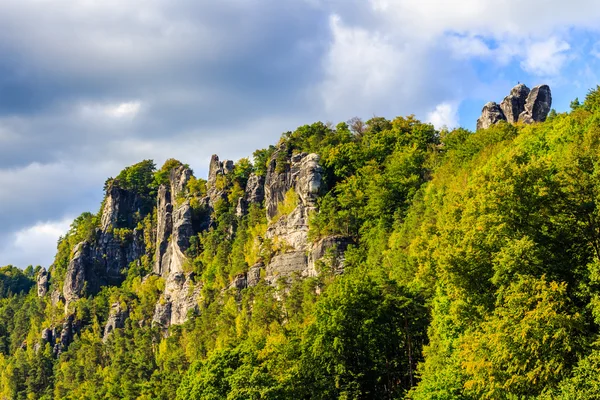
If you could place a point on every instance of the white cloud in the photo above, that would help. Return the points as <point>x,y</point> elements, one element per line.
<point>127,109</point>
<point>36,244</point>
<point>445,115</point>
<point>360,65</point>
<point>546,57</point>
<point>468,46</point>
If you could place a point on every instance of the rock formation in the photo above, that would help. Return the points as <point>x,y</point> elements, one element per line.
<point>328,253</point>
<point>216,172</point>
<point>116,319</point>
<point>174,230</point>
<point>42,282</point>
<point>521,105</point>
<point>538,105</point>
<point>490,114</point>
<point>289,233</point>
<point>514,104</point>
<point>104,259</point>
<point>174,223</point>
<point>179,299</point>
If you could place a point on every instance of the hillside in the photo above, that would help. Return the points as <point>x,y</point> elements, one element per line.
<point>367,260</point>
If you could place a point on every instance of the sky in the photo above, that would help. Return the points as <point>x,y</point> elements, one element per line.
<point>88,87</point>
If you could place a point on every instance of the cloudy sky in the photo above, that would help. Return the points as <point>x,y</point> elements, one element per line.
<point>88,87</point>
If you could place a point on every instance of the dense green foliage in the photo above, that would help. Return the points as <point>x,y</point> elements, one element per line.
<point>474,274</point>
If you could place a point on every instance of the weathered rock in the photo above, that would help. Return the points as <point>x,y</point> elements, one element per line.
<point>42,282</point>
<point>216,170</point>
<point>121,207</point>
<point>78,269</point>
<point>174,223</point>
<point>253,275</point>
<point>514,104</point>
<point>286,265</point>
<point>328,253</point>
<point>241,208</point>
<point>490,115</point>
<point>66,335</point>
<point>290,231</point>
<point>179,299</point>
<point>56,297</point>
<point>307,174</point>
<point>521,105</point>
<point>255,189</point>
<point>48,335</point>
<point>538,104</point>
<point>116,319</point>
<point>239,282</point>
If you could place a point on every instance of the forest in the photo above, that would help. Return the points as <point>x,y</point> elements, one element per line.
<point>470,270</point>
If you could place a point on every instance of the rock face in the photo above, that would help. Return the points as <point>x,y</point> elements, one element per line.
<point>42,282</point>
<point>514,104</point>
<point>174,230</point>
<point>255,189</point>
<point>116,320</point>
<point>328,253</point>
<point>289,233</point>
<point>174,223</point>
<point>67,334</point>
<point>216,171</point>
<point>490,114</point>
<point>80,268</point>
<point>521,105</point>
<point>120,207</point>
<point>104,259</point>
<point>538,105</point>
<point>179,299</point>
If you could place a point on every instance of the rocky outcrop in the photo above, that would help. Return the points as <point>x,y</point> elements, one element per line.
<point>116,319</point>
<point>67,334</point>
<point>289,233</point>
<point>328,253</point>
<point>253,274</point>
<point>181,297</point>
<point>215,187</point>
<point>286,265</point>
<point>490,114</point>
<point>104,259</point>
<point>514,104</point>
<point>521,105</point>
<point>120,208</point>
<point>42,282</point>
<point>255,189</point>
<point>538,105</point>
<point>78,271</point>
<point>174,223</point>
<point>174,230</point>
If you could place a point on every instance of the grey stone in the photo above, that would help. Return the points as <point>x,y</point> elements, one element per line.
<point>116,320</point>
<point>216,170</point>
<point>253,275</point>
<point>490,115</point>
<point>76,273</point>
<point>42,282</point>
<point>330,252</point>
<point>255,189</point>
<point>514,104</point>
<point>286,265</point>
<point>181,297</point>
<point>538,105</point>
<point>174,223</point>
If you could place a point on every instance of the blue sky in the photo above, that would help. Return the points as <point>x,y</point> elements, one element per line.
<point>89,87</point>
